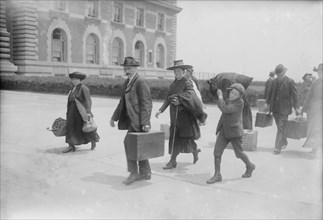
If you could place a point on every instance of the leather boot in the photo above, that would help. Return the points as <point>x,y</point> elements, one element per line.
<point>131,178</point>
<point>250,166</point>
<point>93,145</point>
<point>171,164</point>
<point>196,155</point>
<point>217,175</point>
<point>69,149</point>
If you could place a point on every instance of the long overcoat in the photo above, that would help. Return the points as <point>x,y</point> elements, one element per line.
<point>186,122</point>
<point>74,120</point>
<point>135,105</point>
<point>285,96</point>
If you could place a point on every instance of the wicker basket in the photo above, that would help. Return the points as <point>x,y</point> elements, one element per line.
<point>249,140</point>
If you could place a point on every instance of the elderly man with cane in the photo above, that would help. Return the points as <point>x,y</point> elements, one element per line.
<point>185,111</point>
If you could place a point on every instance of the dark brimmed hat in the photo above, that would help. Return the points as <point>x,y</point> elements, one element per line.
<point>238,87</point>
<point>280,69</point>
<point>179,64</point>
<point>130,61</point>
<point>319,67</point>
<point>77,75</point>
<point>272,74</point>
<point>306,74</point>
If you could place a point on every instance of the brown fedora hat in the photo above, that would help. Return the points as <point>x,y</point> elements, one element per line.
<point>130,61</point>
<point>77,75</point>
<point>280,69</point>
<point>179,64</point>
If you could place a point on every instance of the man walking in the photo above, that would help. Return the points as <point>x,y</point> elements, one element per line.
<point>281,98</point>
<point>133,114</point>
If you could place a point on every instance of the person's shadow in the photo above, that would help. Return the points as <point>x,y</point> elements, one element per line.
<point>59,150</point>
<point>115,181</point>
<point>297,154</point>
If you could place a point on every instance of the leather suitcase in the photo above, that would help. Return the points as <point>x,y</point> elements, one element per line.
<point>296,128</point>
<point>249,140</point>
<point>145,145</point>
<point>263,120</point>
<point>165,128</point>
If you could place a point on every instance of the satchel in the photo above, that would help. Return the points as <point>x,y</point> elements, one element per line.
<point>89,124</point>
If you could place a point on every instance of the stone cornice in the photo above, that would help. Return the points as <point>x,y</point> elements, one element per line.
<point>166,5</point>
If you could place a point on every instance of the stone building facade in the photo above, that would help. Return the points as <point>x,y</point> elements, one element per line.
<point>92,36</point>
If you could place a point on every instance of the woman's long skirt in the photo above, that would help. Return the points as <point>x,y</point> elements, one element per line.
<point>74,124</point>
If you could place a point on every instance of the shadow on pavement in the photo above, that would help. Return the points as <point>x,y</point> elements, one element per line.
<point>180,168</point>
<point>265,149</point>
<point>58,150</point>
<point>115,181</point>
<point>297,154</point>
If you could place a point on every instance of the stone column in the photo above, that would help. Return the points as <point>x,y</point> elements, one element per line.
<point>25,34</point>
<point>6,67</point>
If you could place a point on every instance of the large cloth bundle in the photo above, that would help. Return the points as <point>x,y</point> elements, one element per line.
<point>59,127</point>
<point>225,80</point>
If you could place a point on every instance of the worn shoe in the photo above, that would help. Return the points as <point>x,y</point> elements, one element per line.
<point>144,176</point>
<point>277,151</point>
<point>196,155</point>
<point>216,178</point>
<point>93,145</point>
<point>69,149</point>
<point>284,146</point>
<point>171,164</point>
<point>249,171</point>
<point>132,178</point>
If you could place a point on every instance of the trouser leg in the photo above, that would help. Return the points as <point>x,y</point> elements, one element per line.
<point>281,139</point>
<point>144,167</point>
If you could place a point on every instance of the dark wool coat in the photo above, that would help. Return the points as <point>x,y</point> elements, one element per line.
<point>186,122</point>
<point>74,120</point>
<point>135,105</point>
<point>231,119</point>
<point>282,99</point>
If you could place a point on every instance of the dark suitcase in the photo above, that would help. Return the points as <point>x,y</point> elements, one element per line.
<point>296,128</point>
<point>145,145</point>
<point>264,120</point>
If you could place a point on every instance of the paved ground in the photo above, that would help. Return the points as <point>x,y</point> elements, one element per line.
<point>39,182</point>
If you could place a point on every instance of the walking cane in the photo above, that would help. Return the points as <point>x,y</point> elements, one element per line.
<point>173,141</point>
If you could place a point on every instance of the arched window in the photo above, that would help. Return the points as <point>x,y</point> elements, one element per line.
<point>117,51</point>
<point>59,46</point>
<point>160,56</point>
<point>140,52</point>
<point>92,49</point>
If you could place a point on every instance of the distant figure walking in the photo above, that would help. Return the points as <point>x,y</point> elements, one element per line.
<point>74,120</point>
<point>281,98</point>
<point>313,108</point>
<point>268,83</point>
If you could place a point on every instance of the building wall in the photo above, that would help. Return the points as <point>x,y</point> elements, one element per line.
<point>77,26</point>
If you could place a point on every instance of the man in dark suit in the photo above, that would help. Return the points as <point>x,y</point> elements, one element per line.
<point>133,114</point>
<point>281,98</point>
<point>230,129</point>
<point>268,83</point>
